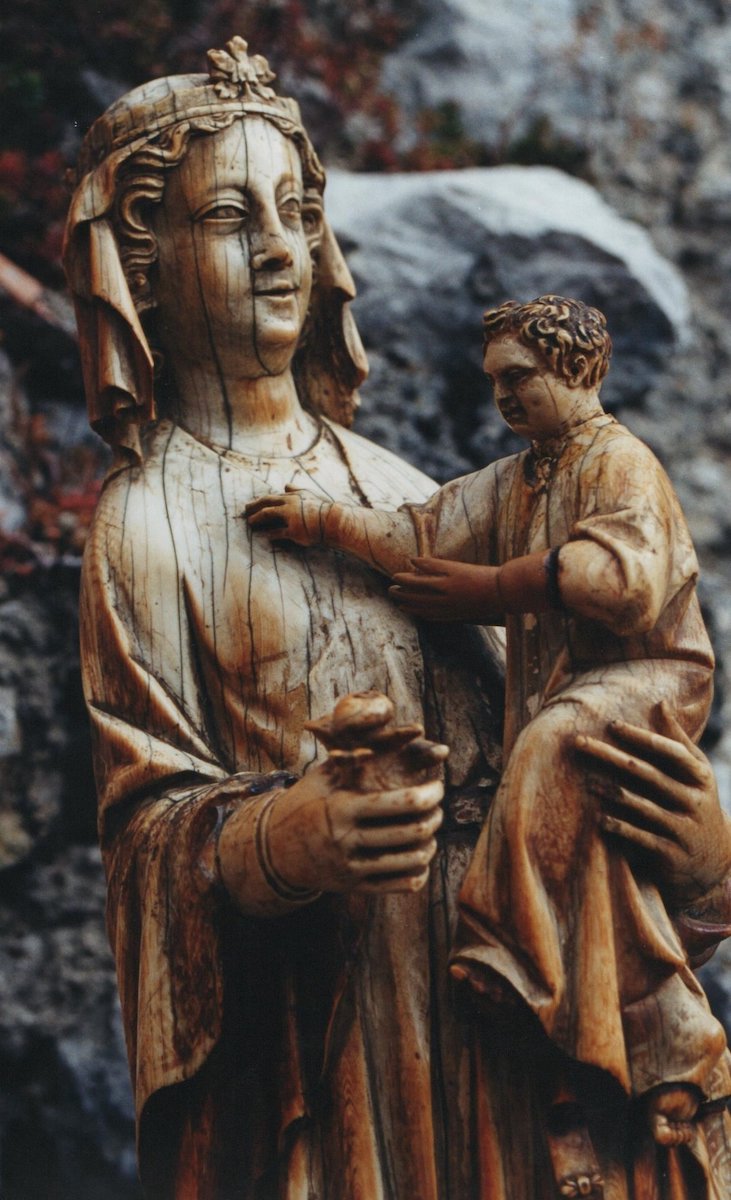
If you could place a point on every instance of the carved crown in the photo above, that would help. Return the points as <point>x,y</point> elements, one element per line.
<point>236,74</point>
<point>236,84</point>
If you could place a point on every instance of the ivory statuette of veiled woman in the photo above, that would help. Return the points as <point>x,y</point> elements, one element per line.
<point>282,937</point>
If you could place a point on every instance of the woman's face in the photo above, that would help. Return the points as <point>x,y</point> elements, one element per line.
<point>234,271</point>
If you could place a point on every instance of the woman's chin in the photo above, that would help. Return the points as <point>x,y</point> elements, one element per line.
<point>268,359</point>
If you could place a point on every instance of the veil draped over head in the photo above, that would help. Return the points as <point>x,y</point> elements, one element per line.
<point>116,357</point>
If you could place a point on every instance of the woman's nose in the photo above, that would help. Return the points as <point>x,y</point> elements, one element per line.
<point>270,251</point>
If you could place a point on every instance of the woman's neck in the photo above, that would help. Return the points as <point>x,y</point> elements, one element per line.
<point>252,416</point>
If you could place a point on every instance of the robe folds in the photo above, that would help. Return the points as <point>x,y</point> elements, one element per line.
<point>323,1054</point>
<point>568,921</point>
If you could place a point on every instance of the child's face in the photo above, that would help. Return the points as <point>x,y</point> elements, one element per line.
<point>532,400</point>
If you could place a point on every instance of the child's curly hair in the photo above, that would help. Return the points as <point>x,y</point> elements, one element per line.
<point>566,333</point>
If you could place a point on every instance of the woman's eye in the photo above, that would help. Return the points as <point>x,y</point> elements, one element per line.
<point>291,207</point>
<point>311,218</point>
<point>225,212</point>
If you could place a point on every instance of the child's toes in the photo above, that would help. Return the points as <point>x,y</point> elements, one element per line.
<point>582,1184</point>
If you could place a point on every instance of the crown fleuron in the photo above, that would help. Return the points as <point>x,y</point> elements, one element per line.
<point>235,74</point>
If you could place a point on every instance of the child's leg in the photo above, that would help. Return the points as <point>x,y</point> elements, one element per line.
<point>538,885</point>
<point>554,907</point>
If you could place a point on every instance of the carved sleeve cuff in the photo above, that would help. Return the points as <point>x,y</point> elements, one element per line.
<point>704,924</point>
<point>251,880</point>
<point>529,583</point>
<point>279,885</point>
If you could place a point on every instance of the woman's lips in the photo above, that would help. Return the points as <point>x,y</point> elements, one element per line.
<point>277,290</point>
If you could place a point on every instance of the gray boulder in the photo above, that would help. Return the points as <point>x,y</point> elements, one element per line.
<point>504,65</point>
<point>431,252</point>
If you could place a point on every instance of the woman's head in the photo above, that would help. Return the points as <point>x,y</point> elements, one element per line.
<point>221,257</point>
<point>177,220</point>
<point>141,180</point>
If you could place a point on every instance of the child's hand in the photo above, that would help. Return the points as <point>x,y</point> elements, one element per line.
<point>295,516</point>
<point>442,590</point>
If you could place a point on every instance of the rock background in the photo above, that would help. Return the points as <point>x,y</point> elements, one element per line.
<point>633,98</point>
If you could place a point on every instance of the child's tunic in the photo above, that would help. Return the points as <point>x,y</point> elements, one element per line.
<point>570,922</point>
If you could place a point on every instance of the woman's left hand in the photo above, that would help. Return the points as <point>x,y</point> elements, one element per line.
<point>667,804</point>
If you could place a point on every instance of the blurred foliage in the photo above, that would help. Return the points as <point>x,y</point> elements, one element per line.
<point>443,143</point>
<point>62,64</point>
<point>541,145</point>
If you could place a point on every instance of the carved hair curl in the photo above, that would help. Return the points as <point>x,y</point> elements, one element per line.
<point>569,336</point>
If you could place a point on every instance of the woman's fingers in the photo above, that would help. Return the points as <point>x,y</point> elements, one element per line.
<point>374,839</point>
<point>668,803</point>
<point>675,752</point>
<point>623,763</point>
<point>675,730</point>
<point>638,772</point>
<point>653,843</point>
<point>407,803</point>
<point>382,885</point>
<point>395,862</point>
<point>652,817</point>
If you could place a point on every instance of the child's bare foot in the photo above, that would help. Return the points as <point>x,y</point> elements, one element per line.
<point>671,1110</point>
<point>575,1166</point>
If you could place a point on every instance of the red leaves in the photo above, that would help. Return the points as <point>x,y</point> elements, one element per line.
<point>60,488</point>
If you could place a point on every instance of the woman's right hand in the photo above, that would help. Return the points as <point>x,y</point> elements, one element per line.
<point>321,837</point>
<point>333,840</point>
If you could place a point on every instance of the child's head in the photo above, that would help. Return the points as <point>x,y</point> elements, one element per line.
<point>571,337</point>
<point>547,360</point>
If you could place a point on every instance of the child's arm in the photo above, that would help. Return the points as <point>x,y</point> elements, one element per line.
<point>629,553</point>
<point>440,589</point>
<point>437,589</point>
<point>384,540</point>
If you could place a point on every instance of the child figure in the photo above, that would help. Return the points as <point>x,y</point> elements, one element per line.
<point>579,546</point>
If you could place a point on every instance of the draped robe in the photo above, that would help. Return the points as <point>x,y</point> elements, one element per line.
<point>322,1054</point>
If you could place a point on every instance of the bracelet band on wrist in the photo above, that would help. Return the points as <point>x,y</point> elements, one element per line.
<point>280,887</point>
<point>553,590</point>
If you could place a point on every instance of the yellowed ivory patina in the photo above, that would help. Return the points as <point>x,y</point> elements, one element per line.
<point>579,546</point>
<point>284,861</point>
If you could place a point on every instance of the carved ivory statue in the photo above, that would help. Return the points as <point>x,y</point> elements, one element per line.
<point>282,917</point>
<point>580,547</point>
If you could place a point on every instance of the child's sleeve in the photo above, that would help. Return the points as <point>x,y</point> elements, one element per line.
<point>629,554</point>
<point>457,522</point>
